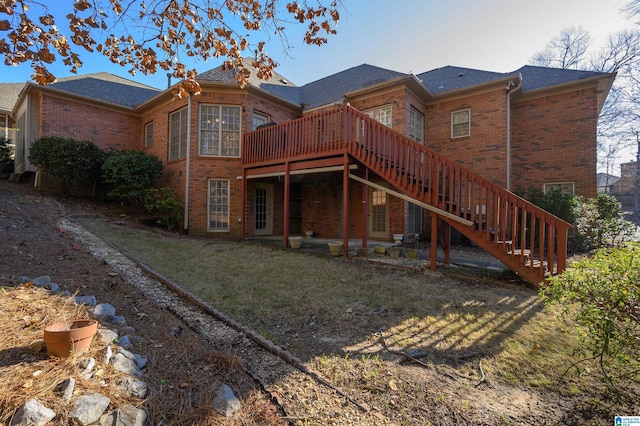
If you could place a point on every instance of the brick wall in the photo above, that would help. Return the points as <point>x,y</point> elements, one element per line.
<point>107,128</point>
<point>627,182</point>
<point>484,151</point>
<point>554,140</point>
<point>204,168</point>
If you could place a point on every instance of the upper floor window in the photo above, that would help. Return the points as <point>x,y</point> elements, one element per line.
<point>565,188</point>
<point>178,134</point>
<point>461,123</point>
<point>259,119</point>
<point>220,130</point>
<point>416,125</point>
<point>148,134</point>
<point>381,114</point>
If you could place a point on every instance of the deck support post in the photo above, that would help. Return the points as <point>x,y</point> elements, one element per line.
<point>287,182</point>
<point>365,209</point>
<point>446,244</point>
<point>434,241</point>
<point>345,206</point>
<point>243,213</point>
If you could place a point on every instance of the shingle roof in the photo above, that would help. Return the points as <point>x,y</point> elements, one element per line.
<point>277,84</point>
<point>333,88</point>
<point>538,77</point>
<point>450,78</point>
<point>605,179</point>
<point>108,88</point>
<point>9,93</point>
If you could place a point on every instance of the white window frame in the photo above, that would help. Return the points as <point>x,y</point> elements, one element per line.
<point>218,129</point>
<point>148,134</point>
<point>568,188</point>
<point>178,135</point>
<point>416,125</point>
<point>382,114</point>
<point>261,117</point>
<point>457,123</point>
<point>218,205</point>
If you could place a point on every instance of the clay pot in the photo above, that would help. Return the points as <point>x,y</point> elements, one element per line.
<point>335,249</point>
<point>67,338</point>
<point>295,242</point>
<point>411,253</point>
<point>394,252</point>
<point>362,251</point>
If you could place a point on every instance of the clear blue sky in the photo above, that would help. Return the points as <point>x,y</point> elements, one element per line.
<point>414,36</point>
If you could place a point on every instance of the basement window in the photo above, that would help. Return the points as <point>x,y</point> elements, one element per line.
<point>565,188</point>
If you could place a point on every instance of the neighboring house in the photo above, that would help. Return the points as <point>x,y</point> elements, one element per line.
<point>8,96</point>
<point>606,182</point>
<point>625,188</point>
<point>532,128</point>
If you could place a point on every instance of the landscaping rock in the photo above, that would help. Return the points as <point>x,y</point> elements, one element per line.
<point>125,342</point>
<point>125,365</point>
<point>132,386</point>
<point>226,403</point>
<point>140,361</point>
<point>104,311</point>
<point>125,416</point>
<point>85,300</point>
<point>89,408</point>
<point>32,413</point>
<point>42,281</point>
<point>66,388</point>
<point>107,336</point>
<point>85,367</point>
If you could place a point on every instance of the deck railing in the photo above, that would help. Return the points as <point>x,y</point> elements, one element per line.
<point>526,238</point>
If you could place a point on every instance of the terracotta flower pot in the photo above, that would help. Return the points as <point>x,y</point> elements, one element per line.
<point>67,338</point>
<point>394,252</point>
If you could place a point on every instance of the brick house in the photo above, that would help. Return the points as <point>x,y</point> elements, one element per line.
<point>532,128</point>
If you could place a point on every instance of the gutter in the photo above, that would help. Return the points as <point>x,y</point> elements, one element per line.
<point>188,166</point>
<point>510,89</point>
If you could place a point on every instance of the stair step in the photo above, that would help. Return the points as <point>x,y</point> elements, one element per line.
<point>519,252</point>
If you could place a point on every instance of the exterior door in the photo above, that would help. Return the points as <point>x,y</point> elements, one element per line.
<point>263,214</point>
<point>378,214</point>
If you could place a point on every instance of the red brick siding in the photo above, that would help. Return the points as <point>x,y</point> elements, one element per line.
<point>484,152</point>
<point>554,140</point>
<point>107,128</point>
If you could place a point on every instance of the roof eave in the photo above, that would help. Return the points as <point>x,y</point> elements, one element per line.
<point>479,86</point>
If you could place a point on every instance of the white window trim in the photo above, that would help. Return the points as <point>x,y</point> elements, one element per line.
<point>239,108</point>
<point>468,111</point>
<point>148,141</point>
<point>546,185</point>
<point>228,228</point>
<point>372,113</point>
<point>267,117</point>
<point>418,138</point>
<point>181,142</point>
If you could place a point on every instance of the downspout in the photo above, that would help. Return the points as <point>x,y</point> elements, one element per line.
<point>510,89</point>
<point>188,167</point>
<point>6,127</point>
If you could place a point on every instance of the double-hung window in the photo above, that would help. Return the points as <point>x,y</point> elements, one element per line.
<point>178,134</point>
<point>461,123</point>
<point>148,134</point>
<point>416,125</point>
<point>259,119</point>
<point>218,205</point>
<point>219,130</point>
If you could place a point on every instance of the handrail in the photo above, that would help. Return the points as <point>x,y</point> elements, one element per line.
<point>508,226</point>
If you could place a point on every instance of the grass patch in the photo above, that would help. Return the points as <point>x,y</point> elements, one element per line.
<point>335,311</point>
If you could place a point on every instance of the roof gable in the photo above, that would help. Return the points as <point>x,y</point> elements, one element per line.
<point>9,93</point>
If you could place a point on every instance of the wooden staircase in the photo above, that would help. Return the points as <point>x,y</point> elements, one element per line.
<point>527,239</point>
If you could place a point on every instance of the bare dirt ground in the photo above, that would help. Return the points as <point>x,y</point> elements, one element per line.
<point>181,388</point>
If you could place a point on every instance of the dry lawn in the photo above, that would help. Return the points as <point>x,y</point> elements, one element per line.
<point>405,342</point>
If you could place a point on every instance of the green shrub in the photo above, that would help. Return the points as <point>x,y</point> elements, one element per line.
<point>130,174</point>
<point>601,296</point>
<point>6,156</point>
<point>598,221</point>
<point>162,201</point>
<point>69,160</point>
